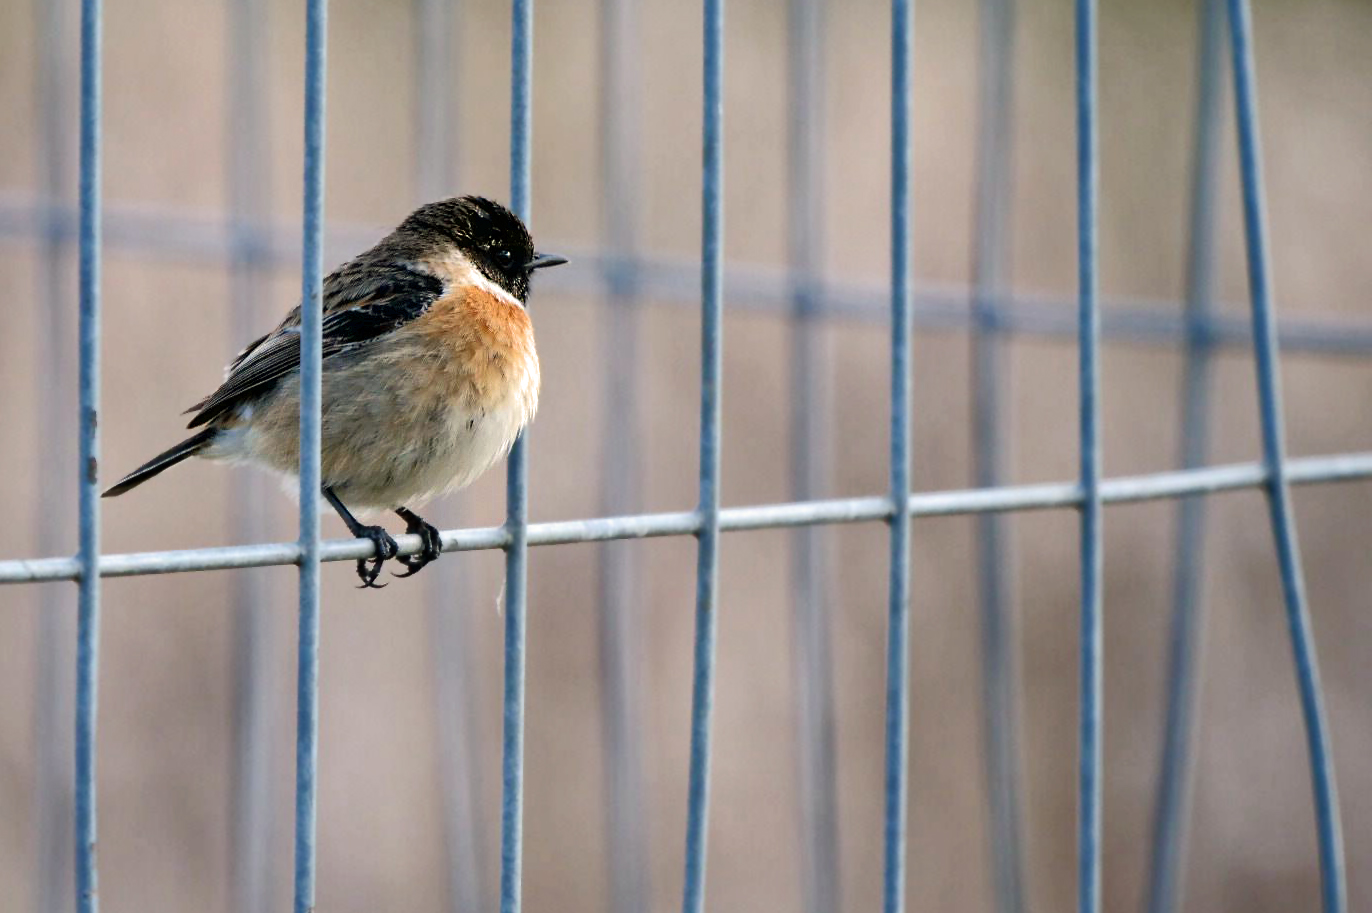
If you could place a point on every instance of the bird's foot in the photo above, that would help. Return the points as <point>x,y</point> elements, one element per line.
<point>369,568</point>
<point>433,545</point>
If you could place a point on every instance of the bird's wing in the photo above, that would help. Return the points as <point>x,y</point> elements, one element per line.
<point>358,309</point>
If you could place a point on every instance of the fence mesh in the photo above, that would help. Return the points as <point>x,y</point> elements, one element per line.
<point>988,311</point>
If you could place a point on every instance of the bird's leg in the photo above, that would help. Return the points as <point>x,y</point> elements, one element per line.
<point>433,546</point>
<point>385,545</point>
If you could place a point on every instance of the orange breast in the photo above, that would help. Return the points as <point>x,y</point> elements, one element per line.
<point>481,348</point>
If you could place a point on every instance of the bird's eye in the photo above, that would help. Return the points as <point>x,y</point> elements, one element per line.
<point>504,257</point>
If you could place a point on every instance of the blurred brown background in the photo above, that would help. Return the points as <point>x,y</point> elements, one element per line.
<point>166,710</point>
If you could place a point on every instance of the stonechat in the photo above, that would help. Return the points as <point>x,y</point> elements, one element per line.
<point>429,374</point>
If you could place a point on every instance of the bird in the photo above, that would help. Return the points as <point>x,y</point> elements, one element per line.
<point>429,375</point>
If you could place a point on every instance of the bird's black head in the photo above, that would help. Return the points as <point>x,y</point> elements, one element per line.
<point>491,236</point>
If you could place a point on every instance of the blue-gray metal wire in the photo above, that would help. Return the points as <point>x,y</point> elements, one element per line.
<point>1333,890</point>
<point>810,443</point>
<point>898,607</point>
<point>999,668</point>
<point>516,495</point>
<point>183,237</point>
<point>708,513</point>
<point>1184,636</point>
<point>311,304</point>
<point>1157,486</point>
<point>618,612</point>
<point>1091,634</point>
<point>88,467</point>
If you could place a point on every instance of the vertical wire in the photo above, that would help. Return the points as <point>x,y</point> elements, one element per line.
<point>516,500</point>
<point>1333,890</point>
<point>812,667</point>
<point>255,678</point>
<point>711,380</point>
<point>52,739</point>
<point>1090,760</point>
<point>1184,637</point>
<point>620,679</point>
<point>88,492</point>
<point>898,607</point>
<point>311,303</point>
<point>450,643</point>
<point>991,244</point>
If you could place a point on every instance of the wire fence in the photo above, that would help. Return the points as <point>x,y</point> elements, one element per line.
<point>986,311</point>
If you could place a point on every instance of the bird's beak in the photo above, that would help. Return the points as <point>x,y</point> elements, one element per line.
<point>541,260</point>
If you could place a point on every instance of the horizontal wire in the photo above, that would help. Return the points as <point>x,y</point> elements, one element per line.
<point>1345,467</point>
<point>676,280</point>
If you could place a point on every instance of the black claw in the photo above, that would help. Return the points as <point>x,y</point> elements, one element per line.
<point>368,569</point>
<point>433,544</point>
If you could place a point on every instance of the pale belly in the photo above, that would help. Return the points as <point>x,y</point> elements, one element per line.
<point>435,459</point>
<point>385,448</point>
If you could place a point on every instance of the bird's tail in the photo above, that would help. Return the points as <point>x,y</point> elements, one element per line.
<point>187,448</point>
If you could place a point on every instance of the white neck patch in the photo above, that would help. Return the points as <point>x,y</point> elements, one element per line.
<point>456,268</point>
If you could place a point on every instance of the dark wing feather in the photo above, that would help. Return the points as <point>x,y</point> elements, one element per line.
<point>358,310</point>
